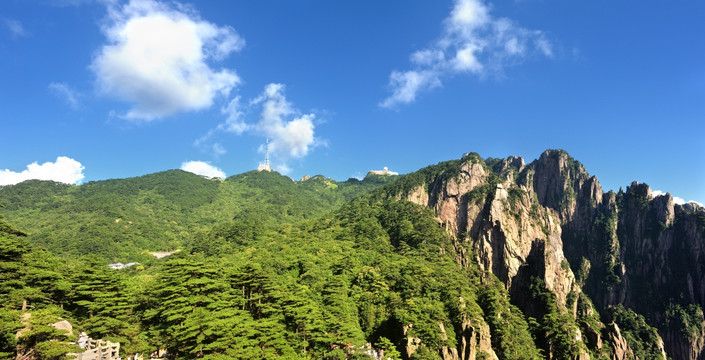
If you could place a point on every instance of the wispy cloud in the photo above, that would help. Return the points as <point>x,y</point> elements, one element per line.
<point>202,168</point>
<point>64,169</point>
<point>473,42</point>
<point>64,92</point>
<point>16,28</point>
<point>290,132</point>
<point>234,121</point>
<point>158,58</point>
<point>218,150</point>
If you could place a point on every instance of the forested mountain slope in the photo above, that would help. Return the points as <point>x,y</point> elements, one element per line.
<point>121,219</point>
<point>466,259</point>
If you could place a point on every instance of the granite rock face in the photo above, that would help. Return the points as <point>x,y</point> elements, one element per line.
<point>549,218</point>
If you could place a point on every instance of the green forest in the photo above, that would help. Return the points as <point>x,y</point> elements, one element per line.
<point>264,267</point>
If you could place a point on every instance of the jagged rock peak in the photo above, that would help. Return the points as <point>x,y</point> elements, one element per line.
<point>639,189</point>
<point>692,207</point>
<point>501,166</point>
<point>561,161</point>
<point>561,183</point>
<point>549,218</point>
<point>639,197</point>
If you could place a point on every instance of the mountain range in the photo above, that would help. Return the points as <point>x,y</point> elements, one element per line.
<point>466,259</point>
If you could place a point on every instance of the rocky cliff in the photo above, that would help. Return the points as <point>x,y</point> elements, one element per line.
<point>638,258</point>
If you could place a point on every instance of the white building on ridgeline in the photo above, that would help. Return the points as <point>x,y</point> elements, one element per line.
<point>384,171</point>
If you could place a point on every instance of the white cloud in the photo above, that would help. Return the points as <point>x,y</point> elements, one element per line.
<point>206,143</point>
<point>234,121</point>
<point>219,150</point>
<point>16,28</point>
<point>157,59</point>
<point>473,41</point>
<point>282,168</point>
<point>407,84</point>
<point>291,134</point>
<point>202,168</point>
<point>65,93</point>
<point>545,46</point>
<point>64,169</point>
<point>466,59</point>
<point>427,57</point>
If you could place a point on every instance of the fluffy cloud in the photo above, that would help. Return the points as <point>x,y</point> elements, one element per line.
<point>472,42</point>
<point>157,58</point>
<point>203,169</point>
<point>65,93</point>
<point>288,138</point>
<point>676,199</point>
<point>65,170</point>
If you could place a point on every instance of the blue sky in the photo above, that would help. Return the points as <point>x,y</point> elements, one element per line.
<point>114,89</point>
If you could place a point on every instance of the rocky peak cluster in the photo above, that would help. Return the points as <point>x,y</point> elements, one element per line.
<point>550,221</point>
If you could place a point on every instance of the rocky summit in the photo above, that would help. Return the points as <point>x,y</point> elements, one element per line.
<point>551,220</point>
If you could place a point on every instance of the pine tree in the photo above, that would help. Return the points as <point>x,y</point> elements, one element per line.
<point>198,314</point>
<point>13,246</point>
<point>340,312</point>
<point>262,297</point>
<point>100,302</point>
<point>305,318</point>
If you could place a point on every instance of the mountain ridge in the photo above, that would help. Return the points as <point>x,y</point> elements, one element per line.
<point>593,274</point>
<point>177,202</point>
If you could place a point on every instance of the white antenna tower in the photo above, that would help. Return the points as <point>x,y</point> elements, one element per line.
<point>266,154</point>
<point>265,166</point>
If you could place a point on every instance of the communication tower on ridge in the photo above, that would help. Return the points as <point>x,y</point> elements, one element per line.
<point>265,166</point>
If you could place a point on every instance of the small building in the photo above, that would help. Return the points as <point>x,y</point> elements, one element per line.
<point>120,266</point>
<point>384,171</point>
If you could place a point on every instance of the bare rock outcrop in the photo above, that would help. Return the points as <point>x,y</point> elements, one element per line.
<point>474,339</point>
<point>620,349</point>
<point>550,217</point>
<point>501,220</point>
<point>63,325</point>
<point>447,197</point>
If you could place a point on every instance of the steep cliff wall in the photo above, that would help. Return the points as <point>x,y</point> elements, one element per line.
<point>501,223</point>
<point>550,220</point>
